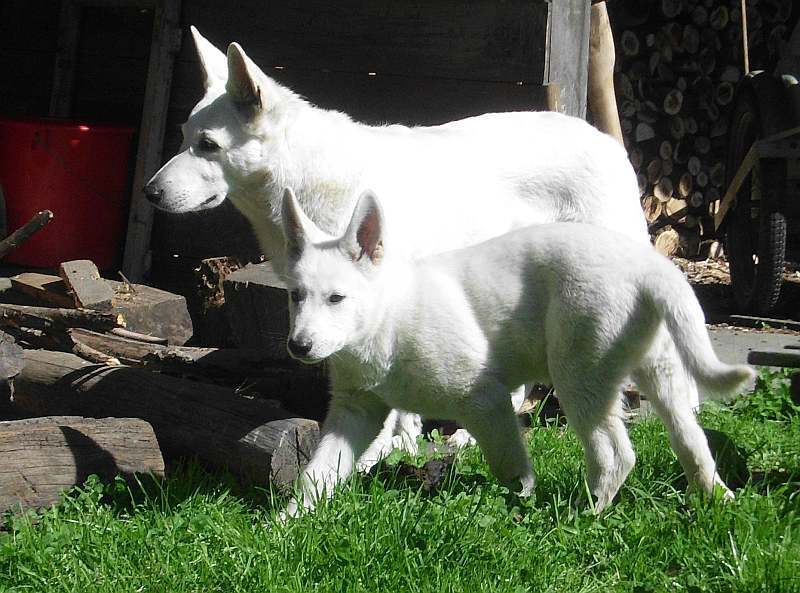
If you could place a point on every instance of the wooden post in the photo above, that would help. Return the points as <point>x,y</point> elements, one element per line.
<point>602,99</point>
<point>567,58</point>
<point>165,45</point>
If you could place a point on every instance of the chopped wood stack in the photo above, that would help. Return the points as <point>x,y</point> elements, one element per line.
<point>91,349</point>
<point>678,63</point>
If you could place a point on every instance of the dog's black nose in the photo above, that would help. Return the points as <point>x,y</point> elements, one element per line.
<point>153,193</point>
<point>299,347</point>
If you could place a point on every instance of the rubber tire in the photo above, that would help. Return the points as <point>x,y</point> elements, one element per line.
<point>756,286</point>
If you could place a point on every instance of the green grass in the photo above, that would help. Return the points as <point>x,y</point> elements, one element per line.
<point>199,532</point>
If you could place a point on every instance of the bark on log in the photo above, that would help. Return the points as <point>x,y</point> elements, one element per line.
<point>25,232</point>
<point>250,437</point>
<point>56,319</point>
<point>40,457</point>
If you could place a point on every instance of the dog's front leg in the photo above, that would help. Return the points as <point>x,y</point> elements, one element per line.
<point>353,421</point>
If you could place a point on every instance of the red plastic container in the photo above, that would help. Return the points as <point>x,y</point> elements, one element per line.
<point>79,171</point>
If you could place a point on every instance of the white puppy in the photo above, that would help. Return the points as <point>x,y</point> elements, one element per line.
<point>452,334</point>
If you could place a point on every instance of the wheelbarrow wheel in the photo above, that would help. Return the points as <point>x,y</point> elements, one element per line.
<point>756,231</point>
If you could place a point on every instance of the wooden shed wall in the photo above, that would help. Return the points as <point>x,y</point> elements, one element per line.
<point>28,42</point>
<point>419,62</point>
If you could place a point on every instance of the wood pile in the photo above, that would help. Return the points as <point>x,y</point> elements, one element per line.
<point>96,378</point>
<point>678,63</point>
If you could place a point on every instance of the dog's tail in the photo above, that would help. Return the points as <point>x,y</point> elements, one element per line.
<point>684,318</point>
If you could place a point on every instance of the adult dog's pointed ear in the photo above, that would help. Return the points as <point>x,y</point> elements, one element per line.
<point>246,82</point>
<point>365,233</point>
<point>298,229</point>
<point>212,61</point>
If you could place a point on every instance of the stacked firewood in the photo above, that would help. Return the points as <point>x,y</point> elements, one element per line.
<point>678,63</point>
<point>95,378</point>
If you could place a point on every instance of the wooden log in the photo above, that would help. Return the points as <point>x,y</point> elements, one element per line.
<point>644,132</point>
<point>233,362</point>
<point>257,309</point>
<point>143,309</point>
<point>249,437</point>
<point>674,206</point>
<point>25,232</point>
<point>652,209</point>
<point>671,8</point>
<point>673,101</point>
<point>685,183</point>
<point>629,42</point>
<point>668,243</point>
<point>83,281</point>
<point>654,171</point>
<point>663,189</point>
<point>10,358</point>
<point>211,326</point>
<point>283,380</point>
<point>11,363</point>
<point>41,457</point>
<point>57,319</point>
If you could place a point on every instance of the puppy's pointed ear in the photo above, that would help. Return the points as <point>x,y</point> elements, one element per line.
<point>365,233</point>
<point>298,229</point>
<point>212,61</point>
<point>246,82</point>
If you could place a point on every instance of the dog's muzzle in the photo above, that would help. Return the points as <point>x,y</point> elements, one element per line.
<point>153,193</point>
<point>299,348</point>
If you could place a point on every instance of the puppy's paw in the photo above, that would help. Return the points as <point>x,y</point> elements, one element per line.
<point>460,439</point>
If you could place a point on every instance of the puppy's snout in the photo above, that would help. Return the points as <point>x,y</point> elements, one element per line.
<point>153,193</point>
<point>299,347</point>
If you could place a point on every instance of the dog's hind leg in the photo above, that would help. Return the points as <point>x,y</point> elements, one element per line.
<point>596,415</point>
<point>462,438</point>
<point>497,432</point>
<point>400,431</point>
<point>670,391</point>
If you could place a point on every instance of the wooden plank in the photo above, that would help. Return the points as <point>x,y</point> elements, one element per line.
<point>567,58</point>
<point>782,145</point>
<point>43,289</point>
<point>83,281</point>
<point>40,457</point>
<point>730,195</point>
<point>64,70</point>
<point>788,359</point>
<point>165,44</point>
<point>463,39</point>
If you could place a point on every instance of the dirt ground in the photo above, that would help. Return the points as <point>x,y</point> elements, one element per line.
<point>711,282</point>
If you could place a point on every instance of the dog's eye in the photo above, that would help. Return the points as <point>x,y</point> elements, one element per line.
<point>206,144</point>
<point>336,298</point>
<point>295,296</point>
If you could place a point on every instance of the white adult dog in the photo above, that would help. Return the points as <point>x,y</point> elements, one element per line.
<point>443,187</point>
<point>450,335</point>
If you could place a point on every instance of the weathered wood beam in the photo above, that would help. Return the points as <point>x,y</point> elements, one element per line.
<point>165,45</point>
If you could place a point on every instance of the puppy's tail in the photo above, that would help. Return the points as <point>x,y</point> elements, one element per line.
<point>684,318</point>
